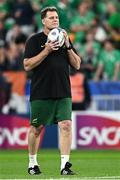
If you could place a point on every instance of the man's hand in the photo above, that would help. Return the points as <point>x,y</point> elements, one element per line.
<point>67,42</point>
<point>52,46</point>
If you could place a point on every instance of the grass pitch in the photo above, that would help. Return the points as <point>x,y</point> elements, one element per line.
<point>87,164</point>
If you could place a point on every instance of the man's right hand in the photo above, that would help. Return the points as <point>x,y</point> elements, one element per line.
<point>52,46</point>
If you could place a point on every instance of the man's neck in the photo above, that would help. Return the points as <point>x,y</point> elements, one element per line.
<point>46,31</point>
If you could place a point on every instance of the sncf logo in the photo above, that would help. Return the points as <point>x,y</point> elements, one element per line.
<point>98,131</point>
<point>14,137</point>
<point>106,136</point>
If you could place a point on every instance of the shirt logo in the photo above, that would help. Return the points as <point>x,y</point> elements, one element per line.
<point>34,120</point>
<point>42,45</point>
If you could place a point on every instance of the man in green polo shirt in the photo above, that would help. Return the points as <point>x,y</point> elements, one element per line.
<point>109,62</point>
<point>81,22</point>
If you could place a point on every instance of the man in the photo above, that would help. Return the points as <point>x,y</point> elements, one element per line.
<point>50,96</point>
<point>109,63</point>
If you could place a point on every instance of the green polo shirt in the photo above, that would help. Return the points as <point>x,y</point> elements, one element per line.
<point>109,60</point>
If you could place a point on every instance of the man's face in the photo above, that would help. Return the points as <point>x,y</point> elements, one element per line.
<point>108,46</point>
<point>51,20</point>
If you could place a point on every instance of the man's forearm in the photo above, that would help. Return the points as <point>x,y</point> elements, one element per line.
<point>98,72</point>
<point>30,63</point>
<point>116,72</point>
<point>74,59</point>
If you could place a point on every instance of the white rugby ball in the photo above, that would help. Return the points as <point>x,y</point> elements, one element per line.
<point>56,34</point>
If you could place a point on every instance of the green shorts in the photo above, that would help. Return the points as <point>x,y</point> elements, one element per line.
<point>47,112</point>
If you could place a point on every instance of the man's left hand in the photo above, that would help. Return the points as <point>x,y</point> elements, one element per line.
<point>67,42</point>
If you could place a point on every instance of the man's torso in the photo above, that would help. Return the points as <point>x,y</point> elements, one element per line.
<point>50,79</point>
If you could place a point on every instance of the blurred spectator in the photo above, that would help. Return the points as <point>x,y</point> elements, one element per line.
<point>98,30</point>
<point>113,22</point>
<point>2,30</point>
<point>108,67</point>
<point>90,52</point>
<point>13,33</point>
<point>96,45</point>
<point>23,14</point>
<point>65,12</point>
<point>9,23</point>
<point>3,57</point>
<point>89,63</point>
<point>37,6</point>
<point>99,7</point>
<point>20,42</point>
<point>113,16</point>
<point>82,21</point>
<point>81,97</point>
<point>14,59</point>
<point>4,9</point>
<point>20,45</point>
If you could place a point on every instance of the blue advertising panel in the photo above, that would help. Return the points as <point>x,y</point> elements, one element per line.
<point>104,88</point>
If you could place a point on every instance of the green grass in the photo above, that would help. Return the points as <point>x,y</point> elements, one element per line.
<point>86,163</point>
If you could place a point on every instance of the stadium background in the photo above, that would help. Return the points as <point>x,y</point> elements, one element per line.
<point>96,99</point>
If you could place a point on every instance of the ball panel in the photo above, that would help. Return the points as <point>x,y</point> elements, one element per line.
<point>56,34</point>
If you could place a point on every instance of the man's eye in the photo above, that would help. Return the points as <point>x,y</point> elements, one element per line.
<point>53,18</point>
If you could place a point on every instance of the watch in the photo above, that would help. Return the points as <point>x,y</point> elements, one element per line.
<point>69,47</point>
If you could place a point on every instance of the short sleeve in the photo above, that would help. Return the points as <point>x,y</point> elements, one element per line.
<point>117,56</point>
<point>31,47</point>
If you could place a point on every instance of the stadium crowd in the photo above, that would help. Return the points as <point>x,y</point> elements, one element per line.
<point>93,27</point>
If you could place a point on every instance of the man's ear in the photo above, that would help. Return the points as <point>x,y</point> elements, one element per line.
<point>43,21</point>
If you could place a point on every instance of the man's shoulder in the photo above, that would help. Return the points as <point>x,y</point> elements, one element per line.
<point>35,36</point>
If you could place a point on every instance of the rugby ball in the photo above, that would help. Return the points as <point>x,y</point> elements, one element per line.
<point>56,34</point>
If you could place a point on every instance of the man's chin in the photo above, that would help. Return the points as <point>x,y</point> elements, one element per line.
<point>53,27</point>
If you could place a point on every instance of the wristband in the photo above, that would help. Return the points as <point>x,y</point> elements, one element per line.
<point>69,48</point>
